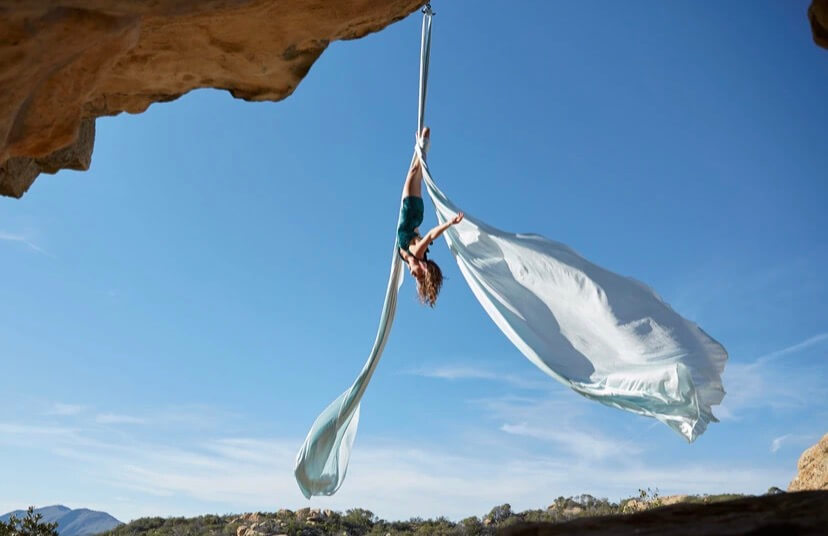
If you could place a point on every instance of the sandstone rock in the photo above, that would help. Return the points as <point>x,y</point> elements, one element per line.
<point>672,499</point>
<point>635,505</point>
<point>18,173</point>
<point>302,513</point>
<point>64,63</point>
<point>248,521</point>
<point>573,511</point>
<point>640,505</point>
<point>803,513</point>
<point>812,468</point>
<point>241,531</point>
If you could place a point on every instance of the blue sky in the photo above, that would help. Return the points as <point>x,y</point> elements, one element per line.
<point>175,318</point>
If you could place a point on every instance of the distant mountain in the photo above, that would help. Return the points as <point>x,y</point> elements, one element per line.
<point>80,522</point>
<point>50,513</point>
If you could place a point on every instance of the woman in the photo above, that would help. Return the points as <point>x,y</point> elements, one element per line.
<point>413,248</point>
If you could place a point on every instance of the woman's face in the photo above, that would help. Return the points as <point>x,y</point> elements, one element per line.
<point>417,268</point>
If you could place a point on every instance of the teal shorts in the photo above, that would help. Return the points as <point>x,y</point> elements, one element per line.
<point>411,216</point>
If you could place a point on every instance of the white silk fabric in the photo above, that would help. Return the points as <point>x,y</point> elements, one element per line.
<point>607,337</point>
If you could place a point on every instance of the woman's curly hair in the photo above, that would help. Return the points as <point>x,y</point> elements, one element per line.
<point>428,287</point>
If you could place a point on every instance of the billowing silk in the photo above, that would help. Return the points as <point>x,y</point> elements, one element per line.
<point>607,337</point>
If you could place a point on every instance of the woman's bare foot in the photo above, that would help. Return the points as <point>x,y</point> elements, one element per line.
<point>424,138</point>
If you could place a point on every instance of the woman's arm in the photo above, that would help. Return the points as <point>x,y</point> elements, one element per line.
<point>434,234</point>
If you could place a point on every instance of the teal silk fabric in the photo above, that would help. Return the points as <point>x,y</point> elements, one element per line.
<point>322,461</point>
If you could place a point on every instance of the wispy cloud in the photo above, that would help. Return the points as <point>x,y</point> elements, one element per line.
<point>795,348</point>
<point>776,444</point>
<point>114,418</point>
<point>582,444</point>
<point>65,409</point>
<point>561,422</point>
<point>22,239</point>
<point>467,372</point>
<point>791,439</point>
<point>177,417</point>
<point>27,430</point>
<point>768,383</point>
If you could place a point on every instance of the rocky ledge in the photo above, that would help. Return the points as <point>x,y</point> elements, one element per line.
<point>65,62</point>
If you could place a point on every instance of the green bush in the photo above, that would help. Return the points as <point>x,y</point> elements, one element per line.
<point>28,526</point>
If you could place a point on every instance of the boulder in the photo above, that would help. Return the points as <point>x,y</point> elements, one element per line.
<point>636,505</point>
<point>667,500</point>
<point>573,511</point>
<point>812,468</point>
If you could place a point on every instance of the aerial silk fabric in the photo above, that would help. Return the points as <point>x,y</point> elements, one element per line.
<point>607,337</point>
<point>322,462</point>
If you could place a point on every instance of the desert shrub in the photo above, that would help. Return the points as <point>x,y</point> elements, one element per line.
<point>499,514</point>
<point>471,526</point>
<point>358,521</point>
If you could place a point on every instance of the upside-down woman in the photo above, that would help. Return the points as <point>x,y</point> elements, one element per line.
<point>413,248</point>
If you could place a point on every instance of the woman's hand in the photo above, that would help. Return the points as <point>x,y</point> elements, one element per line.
<point>435,233</point>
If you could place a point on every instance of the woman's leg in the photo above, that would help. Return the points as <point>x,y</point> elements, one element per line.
<point>414,179</point>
